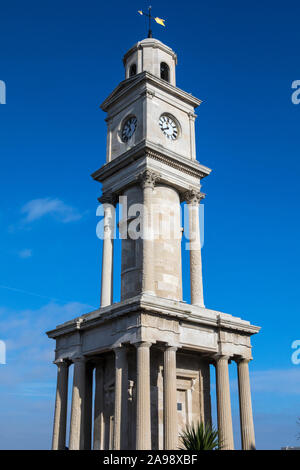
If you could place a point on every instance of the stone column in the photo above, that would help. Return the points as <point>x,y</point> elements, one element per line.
<point>147,180</point>
<point>143,401</point>
<point>192,117</point>
<point>193,199</point>
<point>170,399</point>
<point>223,404</point>
<point>246,417</point>
<point>88,405</point>
<point>108,201</point>
<point>61,405</point>
<point>121,398</point>
<point>99,406</point>
<point>77,411</point>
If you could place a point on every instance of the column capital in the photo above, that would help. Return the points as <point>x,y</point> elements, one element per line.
<point>96,359</point>
<point>148,94</point>
<point>148,178</point>
<point>120,349</point>
<point>169,347</point>
<point>242,360</point>
<point>62,362</point>
<point>143,344</point>
<point>79,359</point>
<point>218,357</point>
<point>192,197</point>
<point>192,116</point>
<point>108,198</point>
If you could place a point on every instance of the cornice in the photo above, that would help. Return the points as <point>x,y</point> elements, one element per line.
<point>146,149</point>
<point>129,84</point>
<point>144,304</point>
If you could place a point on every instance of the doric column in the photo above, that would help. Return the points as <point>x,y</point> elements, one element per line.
<point>147,180</point>
<point>246,417</point>
<point>99,406</point>
<point>193,199</point>
<point>224,404</point>
<point>88,405</point>
<point>143,403</point>
<point>61,406</point>
<point>108,201</point>
<point>77,411</point>
<point>170,399</point>
<point>121,398</point>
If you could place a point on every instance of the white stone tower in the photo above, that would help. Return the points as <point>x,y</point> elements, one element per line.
<point>145,361</point>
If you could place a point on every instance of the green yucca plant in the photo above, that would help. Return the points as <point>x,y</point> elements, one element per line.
<point>199,437</point>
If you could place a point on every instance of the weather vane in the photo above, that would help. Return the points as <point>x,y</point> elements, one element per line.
<point>158,20</point>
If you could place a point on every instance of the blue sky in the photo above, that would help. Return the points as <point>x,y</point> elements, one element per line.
<point>59,61</point>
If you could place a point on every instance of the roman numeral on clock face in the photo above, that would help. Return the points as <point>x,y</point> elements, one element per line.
<point>168,127</point>
<point>129,128</point>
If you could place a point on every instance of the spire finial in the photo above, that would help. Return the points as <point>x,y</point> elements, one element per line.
<point>150,17</point>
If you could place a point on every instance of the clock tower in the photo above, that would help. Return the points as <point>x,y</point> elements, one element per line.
<point>145,361</point>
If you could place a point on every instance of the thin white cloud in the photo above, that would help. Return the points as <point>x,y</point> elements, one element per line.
<point>26,253</point>
<point>29,351</point>
<point>38,208</point>
<point>282,381</point>
<point>274,381</point>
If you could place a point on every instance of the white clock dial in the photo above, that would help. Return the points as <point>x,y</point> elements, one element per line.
<point>129,128</point>
<point>168,126</point>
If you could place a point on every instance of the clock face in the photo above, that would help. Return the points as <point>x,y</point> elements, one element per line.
<point>129,128</point>
<point>168,126</point>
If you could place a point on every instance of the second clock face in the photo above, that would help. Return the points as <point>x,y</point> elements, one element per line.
<point>168,126</point>
<point>129,128</point>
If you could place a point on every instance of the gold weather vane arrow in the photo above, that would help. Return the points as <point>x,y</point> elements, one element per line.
<point>155,18</point>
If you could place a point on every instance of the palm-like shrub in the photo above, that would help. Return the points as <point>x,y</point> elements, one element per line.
<point>199,437</point>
